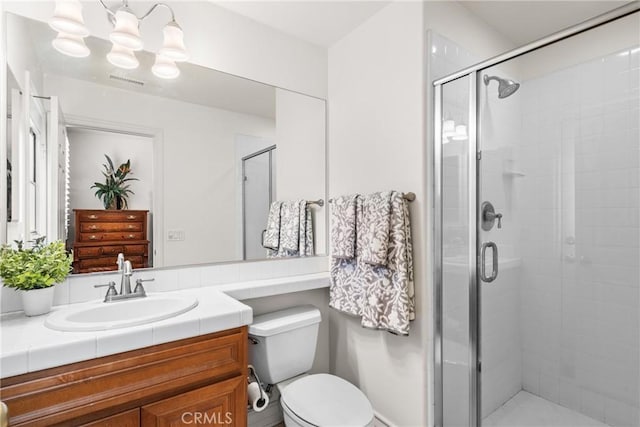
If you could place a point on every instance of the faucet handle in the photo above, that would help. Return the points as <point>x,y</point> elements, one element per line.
<point>111,292</point>
<point>139,288</point>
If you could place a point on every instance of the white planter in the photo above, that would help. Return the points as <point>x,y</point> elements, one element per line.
<point>37,301</point>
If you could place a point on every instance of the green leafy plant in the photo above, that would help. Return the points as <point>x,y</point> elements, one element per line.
<point>41,266</point>
<point>115,190</point>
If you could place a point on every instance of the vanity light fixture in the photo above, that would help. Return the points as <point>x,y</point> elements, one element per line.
<point>67,20</point>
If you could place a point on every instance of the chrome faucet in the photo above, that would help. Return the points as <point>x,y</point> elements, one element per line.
<point>125,284</point>
<point>125,281</point>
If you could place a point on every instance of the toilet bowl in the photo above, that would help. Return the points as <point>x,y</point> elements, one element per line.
<point>282,347</point>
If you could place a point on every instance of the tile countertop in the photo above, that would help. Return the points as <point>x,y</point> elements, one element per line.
<point>27,345</point>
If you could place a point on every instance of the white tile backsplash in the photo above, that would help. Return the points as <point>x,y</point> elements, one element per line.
<point>80,288</point>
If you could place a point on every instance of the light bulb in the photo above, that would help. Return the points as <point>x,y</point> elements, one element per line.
<point>165,68</point>
<point>126,32</point>
<point>67,18</point>
<point>448,128</point>
<point>460,134</point>
<point>122,57</point>
<point>71,45</point>
<point>173,46</point>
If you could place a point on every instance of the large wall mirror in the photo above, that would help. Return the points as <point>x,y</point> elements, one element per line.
<point>209,152</point>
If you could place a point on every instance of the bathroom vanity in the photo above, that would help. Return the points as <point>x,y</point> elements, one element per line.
<point>165,372</point>
<point>157,385</point>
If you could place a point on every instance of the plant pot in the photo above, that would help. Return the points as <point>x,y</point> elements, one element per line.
<point>37,301</point>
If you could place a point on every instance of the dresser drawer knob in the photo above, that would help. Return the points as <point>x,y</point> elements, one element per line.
<point>93,216</point>
<point>131,236</point>
<point>93,237</point>
<point>93,227</point>
<point>131,217</point>
<point>131,227</point>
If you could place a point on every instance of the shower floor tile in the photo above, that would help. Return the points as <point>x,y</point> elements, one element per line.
<point>527,410</point>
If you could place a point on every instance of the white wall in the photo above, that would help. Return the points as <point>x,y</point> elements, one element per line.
<point>300,153</point>
<point>87,149</point>
<point>379,119</point>
<point>198,169</point>
<point>376,142</point>
<point>218,39</point>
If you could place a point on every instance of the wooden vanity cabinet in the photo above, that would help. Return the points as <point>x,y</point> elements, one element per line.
<point>179,383</point>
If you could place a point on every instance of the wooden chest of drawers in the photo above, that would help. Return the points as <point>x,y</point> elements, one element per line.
<point>100,235</point>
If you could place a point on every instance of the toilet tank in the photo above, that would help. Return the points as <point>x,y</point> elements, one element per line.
<point>283,343</point>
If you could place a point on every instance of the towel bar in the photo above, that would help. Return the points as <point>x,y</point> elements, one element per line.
<point>407,196</point>
<point>318,202</point>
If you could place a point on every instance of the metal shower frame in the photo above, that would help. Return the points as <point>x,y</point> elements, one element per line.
<point>473,73</point>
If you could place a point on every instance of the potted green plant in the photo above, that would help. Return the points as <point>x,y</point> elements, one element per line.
<point>34,271</point>
<point>115,190</point>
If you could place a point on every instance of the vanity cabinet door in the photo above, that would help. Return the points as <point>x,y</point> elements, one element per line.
<point>220,404</point>
<point>124,419</point>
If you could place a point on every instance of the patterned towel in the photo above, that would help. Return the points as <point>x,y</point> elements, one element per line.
<point>290,226</point>
<point>373,234</point>
<point>272,235</point>
<point>296,231</point>
<point>388,293</point>
<point>383,296</point>
<point>305,245</point>
<point>345,292</point>
<point>343,227</point>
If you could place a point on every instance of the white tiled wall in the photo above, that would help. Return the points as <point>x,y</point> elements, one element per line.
<point>79,288</point>
<point>580,236</point>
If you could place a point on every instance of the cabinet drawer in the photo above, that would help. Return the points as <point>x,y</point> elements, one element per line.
<point>110,216</point>
<point>98,251</point>
<point>114,236</point>
<point>90,227</point>
<point>99,388</point>
<point>106,261</point>
<point>135,249</point>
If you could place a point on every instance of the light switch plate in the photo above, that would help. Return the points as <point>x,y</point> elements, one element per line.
<point>175,235</point>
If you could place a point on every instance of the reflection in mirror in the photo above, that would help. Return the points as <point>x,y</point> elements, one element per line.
<point>201,148</point>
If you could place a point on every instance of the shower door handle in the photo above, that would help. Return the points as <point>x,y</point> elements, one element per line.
<point>483,253</point>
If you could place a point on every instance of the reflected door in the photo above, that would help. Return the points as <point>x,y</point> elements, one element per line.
<point>256,197</point>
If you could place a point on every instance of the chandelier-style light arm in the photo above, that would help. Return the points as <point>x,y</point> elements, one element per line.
<point>173,16</point>
<point>111,13</point>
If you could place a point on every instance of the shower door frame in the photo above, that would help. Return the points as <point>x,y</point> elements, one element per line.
<point>473,74</point>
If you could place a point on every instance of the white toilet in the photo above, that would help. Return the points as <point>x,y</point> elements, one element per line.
<point>283,347</point>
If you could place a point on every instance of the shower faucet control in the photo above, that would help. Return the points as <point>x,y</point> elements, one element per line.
<point>489,216</point>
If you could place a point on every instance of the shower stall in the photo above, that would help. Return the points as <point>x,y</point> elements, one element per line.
<point>537,191</point>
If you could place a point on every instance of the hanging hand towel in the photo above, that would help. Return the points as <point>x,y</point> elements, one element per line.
<point>343,227</point>
<point>388,300</point>
<point>347,277</point>
<point>305,244</point>
<point>272,235</point>
<point>290,226</point>
<point>373,236</point>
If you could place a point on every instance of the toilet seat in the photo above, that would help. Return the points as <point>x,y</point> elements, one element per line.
<point>328,401</point>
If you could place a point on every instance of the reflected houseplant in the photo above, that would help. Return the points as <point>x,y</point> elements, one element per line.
<point>34,271</point>
<point>115,190</point>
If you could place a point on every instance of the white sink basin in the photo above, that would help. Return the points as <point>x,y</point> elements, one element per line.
<point>100,316</point>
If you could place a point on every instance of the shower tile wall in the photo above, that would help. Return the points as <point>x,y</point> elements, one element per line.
<point>579,213</point>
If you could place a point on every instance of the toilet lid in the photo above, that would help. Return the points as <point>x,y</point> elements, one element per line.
<point>326,400</point>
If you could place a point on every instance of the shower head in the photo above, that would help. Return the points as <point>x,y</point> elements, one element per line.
<point>506,87</point>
